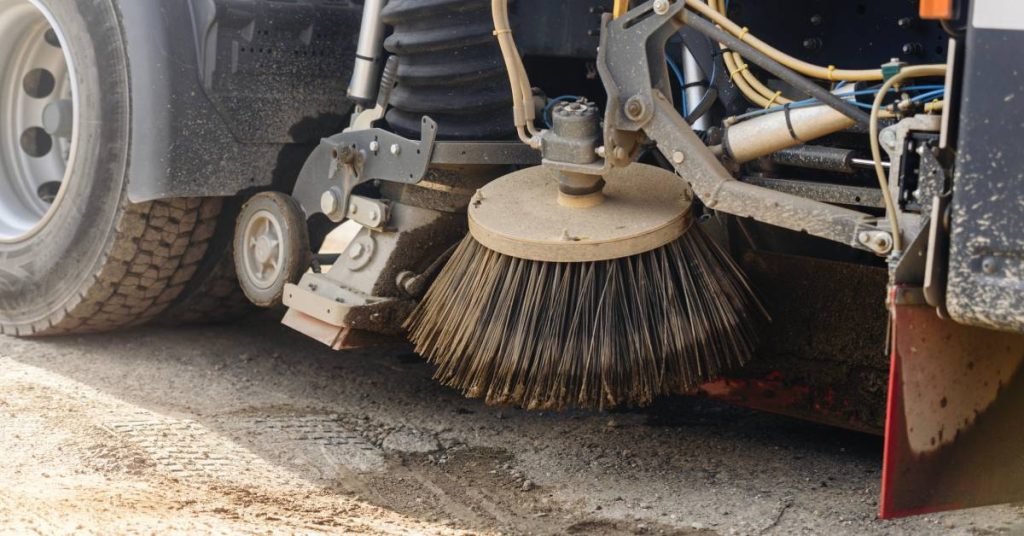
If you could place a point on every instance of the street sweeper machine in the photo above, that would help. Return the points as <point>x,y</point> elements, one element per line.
<point>810,207</point>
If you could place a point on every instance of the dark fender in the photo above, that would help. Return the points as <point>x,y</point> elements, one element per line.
<point>232,95</point>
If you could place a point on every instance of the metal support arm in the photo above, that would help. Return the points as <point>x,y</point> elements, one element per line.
<point>713,184</point>
<point>631,61</point>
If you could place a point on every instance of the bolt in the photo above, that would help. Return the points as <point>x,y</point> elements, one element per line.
<point>882,242</point>
<point>620,153</point>
<point>879,241</point>
<point>356,251</point>
<point>600,151</point>
<point>905,22</point>
<point>913,49</point>
<point>396,149</point>
<point>989,266</point>
<point>817,20</point>
<point>888,139</point>
<point>345,155</point>
<point>661,7</point>
<point>635,108</point>
<point>353,209</point>
<point>375,146</point>
<point>812,43</point>
<point>330,203</point>
<point>678,157</point>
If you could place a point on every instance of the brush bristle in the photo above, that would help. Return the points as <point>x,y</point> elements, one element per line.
<point>552,336</point>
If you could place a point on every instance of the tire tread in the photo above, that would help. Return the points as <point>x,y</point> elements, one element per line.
<point>156,250</point>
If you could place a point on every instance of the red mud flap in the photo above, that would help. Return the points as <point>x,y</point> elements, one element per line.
<point>955,429</point>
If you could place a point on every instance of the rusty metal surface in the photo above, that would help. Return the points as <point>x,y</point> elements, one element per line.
<point>956,400</point>
<point>777,394</point>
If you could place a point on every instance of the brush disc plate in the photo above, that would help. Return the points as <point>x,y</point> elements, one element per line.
<point>519,215</point>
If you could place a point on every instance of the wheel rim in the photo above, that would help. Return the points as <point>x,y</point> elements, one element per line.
<point>264,256</point>
<point>38,117</point>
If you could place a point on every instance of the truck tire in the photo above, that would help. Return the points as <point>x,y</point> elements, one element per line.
<point>75,254</point>
<point>213,296</point>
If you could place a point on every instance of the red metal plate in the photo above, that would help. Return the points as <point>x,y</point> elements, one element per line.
<point>955,427</point>
<point>775,394</point>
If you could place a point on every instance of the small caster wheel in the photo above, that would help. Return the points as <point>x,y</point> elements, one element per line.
<point>271,247</point>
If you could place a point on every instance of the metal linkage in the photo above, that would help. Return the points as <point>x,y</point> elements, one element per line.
<point>632,64</point>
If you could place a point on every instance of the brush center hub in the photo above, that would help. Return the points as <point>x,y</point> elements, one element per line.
<point>526,215</point>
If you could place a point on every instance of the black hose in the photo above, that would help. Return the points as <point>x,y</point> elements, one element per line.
<point>781,71</point>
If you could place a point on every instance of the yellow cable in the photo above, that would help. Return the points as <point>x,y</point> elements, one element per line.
<point>876,150</point>
<point>800,66</point>
<point>733,65</point>
<point>737,70</point>
<point>749,85</point>
<point>522,93</point>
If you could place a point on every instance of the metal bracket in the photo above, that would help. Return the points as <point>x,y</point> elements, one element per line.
<point>344,161</point>
<point>632,65</point>
<point>370,213</point>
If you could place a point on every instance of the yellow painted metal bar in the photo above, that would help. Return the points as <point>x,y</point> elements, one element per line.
<point>621,7</point>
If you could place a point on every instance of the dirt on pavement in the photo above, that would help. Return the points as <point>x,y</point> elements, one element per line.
<point>254,429</point>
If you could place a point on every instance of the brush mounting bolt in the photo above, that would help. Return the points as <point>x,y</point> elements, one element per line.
<point>661,7</point>
<point>374,146</point>
<point>396,149</point>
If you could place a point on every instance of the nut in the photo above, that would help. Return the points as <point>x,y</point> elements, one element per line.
<point>635,108</point>
<point>345,154</point>
<point>878,241</point>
